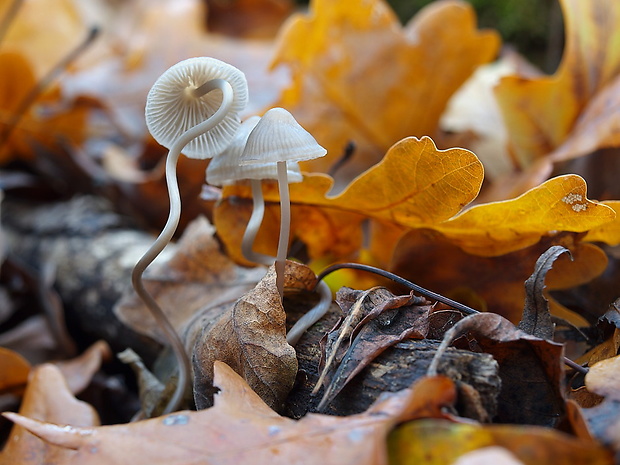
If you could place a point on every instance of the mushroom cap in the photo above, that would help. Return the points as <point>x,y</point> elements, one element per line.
<point>279,137</point>
<point>225,169</point>
<point>172,109</point>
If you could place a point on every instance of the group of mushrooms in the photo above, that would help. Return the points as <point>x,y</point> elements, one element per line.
<point>194,108</point>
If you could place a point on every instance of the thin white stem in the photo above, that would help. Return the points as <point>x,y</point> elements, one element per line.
<point>312,316</point>
<point>251,229</point>
<point>166,236</point>
<point>285,226</point>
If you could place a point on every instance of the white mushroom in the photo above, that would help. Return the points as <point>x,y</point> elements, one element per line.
<point>226,169</point>
<point>278,138</point>
<point>192,108</point>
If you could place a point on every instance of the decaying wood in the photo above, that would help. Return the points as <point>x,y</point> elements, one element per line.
<point>94,249</point>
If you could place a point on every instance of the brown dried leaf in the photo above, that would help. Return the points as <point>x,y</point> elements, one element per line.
<point>388,320</point>
<point>251,339</point>
<point>14,371</point>
<point>197,275</point>
<point>536,319</point>
<point>530,368</point>
<point>47,398</point>
<point>213,436</point>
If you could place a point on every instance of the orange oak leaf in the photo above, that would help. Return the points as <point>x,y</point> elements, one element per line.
<point>417,186</point>
<point>496,228</point>
<point>426,186</point>
<point>47,398</point>
<point>14,371</point>
<point>240,429</point>
<point>358,76</point>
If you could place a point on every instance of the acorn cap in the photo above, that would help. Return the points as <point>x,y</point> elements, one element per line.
<point>172,109</point>
<point>225,169</point>
<point>279,137</point>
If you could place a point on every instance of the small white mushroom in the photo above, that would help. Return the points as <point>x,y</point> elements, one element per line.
<point>278,139</point>
<point>226,169</point>
<point>192,108</point>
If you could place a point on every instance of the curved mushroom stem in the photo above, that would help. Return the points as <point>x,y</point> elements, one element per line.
<point>312,316</point>
<point>251,229</point>
<point>168,231</point>
<point>285,226</point>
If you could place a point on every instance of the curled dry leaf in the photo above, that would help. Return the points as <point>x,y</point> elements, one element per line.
<point>536,318</point>
<point>241,428</point>
<point>47,399</point>
<point>530,368</point>
<point>251,338</point>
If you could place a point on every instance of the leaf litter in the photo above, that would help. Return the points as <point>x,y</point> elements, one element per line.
<point>401,201</point>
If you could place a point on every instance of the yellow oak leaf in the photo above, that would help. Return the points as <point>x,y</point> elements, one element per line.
<point>608,232</point>
<point>415,185</point>
<point>541,112</point>
<point>359,76</point>
<point>496,228</point>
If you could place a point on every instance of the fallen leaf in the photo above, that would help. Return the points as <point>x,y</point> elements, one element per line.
<point>426,187</point>
<point>196,275</point>
<point>430,260</point>
<point>496,228</point>
<point>78,372</point>
<point>331,47</point>
<point>608,233</point>
<point>251,338</point>
<point>541,112</point>
<point>47,399</point>
<point>213,435</point>
<point>386,320</point>
<point>536,318</point>
<point>530,368</point>
<point>440,441</point>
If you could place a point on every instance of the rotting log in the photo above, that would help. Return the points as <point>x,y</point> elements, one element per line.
<point>94,249</point>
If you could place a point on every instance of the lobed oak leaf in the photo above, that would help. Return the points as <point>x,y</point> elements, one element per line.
<point>240,429</point>
<point>608,233</point>
<point>47,398</point>
<point>349,63</point>
<point>426,186</point>
<point>497,228</point>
